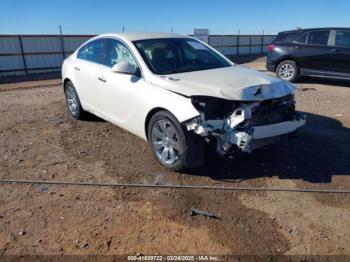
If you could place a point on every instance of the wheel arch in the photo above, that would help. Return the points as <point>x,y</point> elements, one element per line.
<point>65,81</point>
<point>149,116</point>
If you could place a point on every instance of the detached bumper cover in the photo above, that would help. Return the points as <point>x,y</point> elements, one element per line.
<point>261,132</point>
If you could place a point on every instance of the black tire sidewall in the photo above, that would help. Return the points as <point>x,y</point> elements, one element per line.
<point>292,63</point>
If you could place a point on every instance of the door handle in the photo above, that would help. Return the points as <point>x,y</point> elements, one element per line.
<point>77,68</point>
<point>297,47</point>
<point>102,79</point>
<point>334,50</point>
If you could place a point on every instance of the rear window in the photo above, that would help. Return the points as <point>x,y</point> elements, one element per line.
<point>318,37</point>
<point>285,37</point>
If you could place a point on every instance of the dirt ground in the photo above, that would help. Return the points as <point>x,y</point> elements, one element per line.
<point>39,140</point>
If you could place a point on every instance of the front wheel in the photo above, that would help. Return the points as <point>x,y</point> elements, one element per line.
<point>173,146</point>
<point>287,70</point>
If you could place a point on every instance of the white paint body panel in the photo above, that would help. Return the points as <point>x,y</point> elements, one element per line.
<point>126,100</point>
<point>233,83</point>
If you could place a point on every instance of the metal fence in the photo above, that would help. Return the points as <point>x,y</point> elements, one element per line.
<point>27,54</point>
<point>238,45</point>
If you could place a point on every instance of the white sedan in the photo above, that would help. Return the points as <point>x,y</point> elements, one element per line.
<point>178,93</point>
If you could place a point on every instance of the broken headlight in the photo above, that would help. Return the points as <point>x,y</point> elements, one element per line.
<point>213,107</point>
<point>193,121</point>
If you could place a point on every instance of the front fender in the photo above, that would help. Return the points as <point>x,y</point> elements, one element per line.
<point>181,107</point>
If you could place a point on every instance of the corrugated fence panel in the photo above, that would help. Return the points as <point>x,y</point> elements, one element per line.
<point>268,39</point>
<point>72,43</point>
<point>39,61</point>
<point>256,49</point>
<point>229,50</point>
<point>244,40</point>
<point>9,45</point>
<point>216,40</point>
<point>12,73</point>
<point>11,62</point>
<point>42,71</point>
<point>256,40</point>
<point>244,50</point>
<point>41,44</point>
<point>230,40</point>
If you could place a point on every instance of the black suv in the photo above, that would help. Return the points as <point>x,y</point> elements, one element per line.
<point>321,52</point>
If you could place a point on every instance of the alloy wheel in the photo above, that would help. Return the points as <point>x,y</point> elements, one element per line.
<point>72,100</point>
<point>286,72</point>
<point>165,141</point>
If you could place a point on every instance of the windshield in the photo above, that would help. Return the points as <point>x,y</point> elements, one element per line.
<point>178,55</point>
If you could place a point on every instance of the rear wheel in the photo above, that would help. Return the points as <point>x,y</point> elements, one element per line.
<point>73,101</point>
<point>287,70</point>
<point>174,147</point>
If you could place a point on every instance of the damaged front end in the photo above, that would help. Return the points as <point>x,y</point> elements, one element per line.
<point>233,126</point>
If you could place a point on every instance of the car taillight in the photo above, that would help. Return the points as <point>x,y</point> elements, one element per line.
<point>270,48</point>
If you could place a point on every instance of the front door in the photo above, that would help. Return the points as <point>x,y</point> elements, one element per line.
<point>118,91</point>
<point>341,55</point>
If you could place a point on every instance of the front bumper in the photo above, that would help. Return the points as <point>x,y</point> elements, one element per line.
<point>260,136</point>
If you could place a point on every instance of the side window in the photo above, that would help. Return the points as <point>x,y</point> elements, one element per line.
<point>342,38</point>
<point>92,51</point>
<point>117,52</point>
<point>301,39</point>
<point>285,37</point>
<point>318,37</point>
<point>189,55</point>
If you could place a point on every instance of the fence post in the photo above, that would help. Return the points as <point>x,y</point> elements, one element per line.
<point>22,54</point>
<point>62,43</point>
<point>62,47</point>
<point>237,51</point>
<point>250,45</point>
<point>222,44</point>
<point>262,44</point>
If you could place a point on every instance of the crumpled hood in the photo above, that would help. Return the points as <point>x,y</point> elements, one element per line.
<point>233,83</point>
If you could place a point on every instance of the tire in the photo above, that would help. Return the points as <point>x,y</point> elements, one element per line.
<point>73,102</point>
<point>174,147</point>
<point>287,70</point>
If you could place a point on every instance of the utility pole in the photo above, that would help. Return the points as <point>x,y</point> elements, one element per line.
<point>123,29</point>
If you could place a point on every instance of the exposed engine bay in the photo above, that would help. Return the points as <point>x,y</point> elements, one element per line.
<point>244,125</point>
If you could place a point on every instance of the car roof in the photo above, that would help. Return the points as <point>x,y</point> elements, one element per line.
<point>143,35</point>
<point>314,29</point>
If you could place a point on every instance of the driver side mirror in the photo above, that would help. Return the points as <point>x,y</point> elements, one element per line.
<point>126,68</point>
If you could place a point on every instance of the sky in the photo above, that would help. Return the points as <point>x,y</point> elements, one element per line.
<point>181,16</point>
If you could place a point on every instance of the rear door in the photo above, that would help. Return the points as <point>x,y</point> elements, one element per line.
<point>314,57</point>
<point>87,67</point>
<point>340,54</point>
